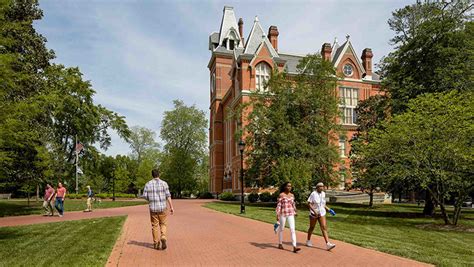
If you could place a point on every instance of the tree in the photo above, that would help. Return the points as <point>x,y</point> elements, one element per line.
<point>365,162</point>
<point>292,127</point>
<point>434,52</point>
<point>434,44</point>
<point>184,132</point>
<point>141,140</point>
<point>431,145</point>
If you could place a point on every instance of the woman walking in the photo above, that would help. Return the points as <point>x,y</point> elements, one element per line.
<point>317,213</point>
<point>286,211</point>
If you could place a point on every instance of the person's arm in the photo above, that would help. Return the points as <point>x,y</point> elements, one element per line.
<point>51,196</point>
<point>278,209</point>
<point>168,199</point>
<point>65,192</point>
<point>145,193</point>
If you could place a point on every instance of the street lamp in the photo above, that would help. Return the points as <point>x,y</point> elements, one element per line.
<point>241,148</point>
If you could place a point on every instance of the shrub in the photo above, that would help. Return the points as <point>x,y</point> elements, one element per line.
<point>75,196</point>
<point>265,197</point>
<point>206,195</point>
<point>274,196</point>
<point>227,196</point>
<point>117,195</point>
<point>253,197</point>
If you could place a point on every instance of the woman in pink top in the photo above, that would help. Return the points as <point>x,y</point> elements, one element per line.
<point>60,196</point>
<point>286,210</point>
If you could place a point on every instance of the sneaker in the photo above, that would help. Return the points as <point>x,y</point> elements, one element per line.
<point>309,243</point>
<point>280,246</point>
<point>156,245</point>
<point>163,244</point>
<point>330,245</point>
<point>296,249</point>
<point>60,215</point>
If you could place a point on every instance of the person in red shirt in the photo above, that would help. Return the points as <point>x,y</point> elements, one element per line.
<point>60,196</point>
<point>48,196</point>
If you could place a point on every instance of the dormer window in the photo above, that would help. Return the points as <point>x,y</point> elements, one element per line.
<point>262,75</point>
<point>231,41</point>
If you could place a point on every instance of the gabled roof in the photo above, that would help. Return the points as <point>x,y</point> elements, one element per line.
<point>342,50</point>
<point>335,48</point>
<point>228,24</point>
<point>292,61</point>
<point>257,38</point>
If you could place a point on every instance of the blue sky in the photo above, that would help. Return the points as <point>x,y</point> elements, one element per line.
<point>141,55</point>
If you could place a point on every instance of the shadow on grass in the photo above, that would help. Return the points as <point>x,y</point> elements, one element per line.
<point>7,233</point>
<point>14,209</point>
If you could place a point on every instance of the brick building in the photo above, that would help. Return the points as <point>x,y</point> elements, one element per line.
<point>239,66</point>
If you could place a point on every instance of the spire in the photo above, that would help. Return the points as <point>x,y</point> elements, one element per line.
<point>229,26</point>
<point>256,37</point>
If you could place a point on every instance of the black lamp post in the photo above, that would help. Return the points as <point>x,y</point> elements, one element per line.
<point>241,148</point>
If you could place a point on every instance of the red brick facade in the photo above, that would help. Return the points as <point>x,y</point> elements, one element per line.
<point>239,66</point>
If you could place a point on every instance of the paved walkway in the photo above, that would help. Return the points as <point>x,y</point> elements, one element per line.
<point>201,237</point>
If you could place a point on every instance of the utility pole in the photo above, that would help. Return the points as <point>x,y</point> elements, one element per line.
<point>77,164</point>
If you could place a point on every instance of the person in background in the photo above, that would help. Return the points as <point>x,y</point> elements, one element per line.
<point>317,213</point>
<point>60,196</point>
<point>158,195</point>
<point>286,210</point>
<point>90,194</point>
<point>48,195</point>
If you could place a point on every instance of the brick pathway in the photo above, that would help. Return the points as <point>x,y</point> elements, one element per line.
<point>201,237</point>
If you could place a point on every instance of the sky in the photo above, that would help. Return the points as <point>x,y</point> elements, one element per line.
<point>142,55</point>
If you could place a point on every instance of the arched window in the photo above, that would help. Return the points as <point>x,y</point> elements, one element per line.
<point>213,83</point>
<point>262,75</point>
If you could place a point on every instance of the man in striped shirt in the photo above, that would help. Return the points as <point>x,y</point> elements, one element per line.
<point>158,195</point>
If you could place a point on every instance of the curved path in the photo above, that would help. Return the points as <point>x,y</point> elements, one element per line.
<point>202,237</point>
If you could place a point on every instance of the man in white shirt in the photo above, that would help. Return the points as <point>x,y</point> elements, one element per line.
<point>317,213</point>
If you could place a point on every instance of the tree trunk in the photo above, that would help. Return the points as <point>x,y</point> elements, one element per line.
<point>28,197</point>
<point>429,208</point>
<point>371,198</point>
<point>412,197</point>
<point>400,196</point>
<point>458,207</point>
<point>444,213</point>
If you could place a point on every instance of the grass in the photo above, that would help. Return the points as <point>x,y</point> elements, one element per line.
<point>70,243</point>
<point>398,229</point>
<point>20,207</point>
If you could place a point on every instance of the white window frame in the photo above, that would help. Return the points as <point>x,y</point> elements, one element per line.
<point>344,69</point>
<point>349,99</point>
<point>262,75</point>
<point>342,147</point>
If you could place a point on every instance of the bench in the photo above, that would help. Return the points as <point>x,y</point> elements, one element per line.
<point>5,196</point>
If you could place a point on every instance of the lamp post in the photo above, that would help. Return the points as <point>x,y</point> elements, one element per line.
<point>241,148</point>
<point>113,183</point>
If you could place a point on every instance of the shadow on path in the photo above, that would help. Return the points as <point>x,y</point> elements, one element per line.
<point>141,244</point>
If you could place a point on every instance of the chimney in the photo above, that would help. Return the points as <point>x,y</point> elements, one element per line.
<point>367,61</point>
<point>273,36</point>
<point>241,30</point>
<point>326,51</point>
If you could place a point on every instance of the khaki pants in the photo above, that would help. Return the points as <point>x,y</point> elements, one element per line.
<point>48,207</point>
<point>158,219</point>
<point>89,203</point>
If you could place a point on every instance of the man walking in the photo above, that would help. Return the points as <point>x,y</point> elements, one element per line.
<point>158,195</point>
<point>60,196</point>
<point>90,194</point>
<point>48,195</point>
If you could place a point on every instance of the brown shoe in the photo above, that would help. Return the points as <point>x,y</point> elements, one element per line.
<point>295,249</point>
<point>156,245</point>
<point>280,246</point>
<point>163,244</point>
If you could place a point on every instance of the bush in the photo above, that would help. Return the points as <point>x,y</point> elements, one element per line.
<point>227,196</point>
<point>265,197</point>
<point>117,195</point>
<point>75,196</point>
<point>253,197</point>
<point>274,196</point>
<point>206,195</point>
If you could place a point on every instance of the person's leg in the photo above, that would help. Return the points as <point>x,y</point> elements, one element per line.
<point>89,205</point>
<point>45,207</point>
<point>163,227</point>
<point>154,229</point>
<point>56,205</point>
<point>51,208</point>
<point>280,230</point>
<point>324,230</point>
<point>291,224</point>
<point>312,224</point>
<point>61,205</point>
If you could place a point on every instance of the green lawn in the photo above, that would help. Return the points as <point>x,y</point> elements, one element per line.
<point>70,243</point>
<point>396,229</point>
<point>20,207</point>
